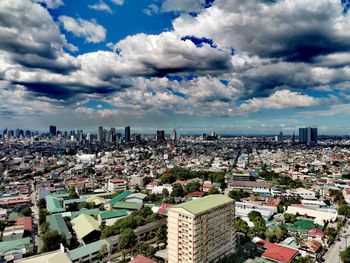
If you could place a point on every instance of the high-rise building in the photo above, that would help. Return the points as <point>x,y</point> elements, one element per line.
<point>127,134</point>
<point>201,230</point>
<point>160,136</point>
<point>174,135</point>
<point>280,136</point>
<point>100,134</point>
<point>308,135</point>
<point>53,131</point>
<point>293,137</point>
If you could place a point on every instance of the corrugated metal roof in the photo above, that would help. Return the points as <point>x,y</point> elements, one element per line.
<point>120,197</point>
<point>86,250</point>
<point>84,225</point>
<point>112,214</point>
<point>54,205</point>
<point>57,223</point>
<point>203,204</point>
<point>128,205</point>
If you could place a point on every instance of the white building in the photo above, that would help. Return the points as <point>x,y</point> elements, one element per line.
<point>242,209</point>
<point>86,158</point>
<point>116,184</point>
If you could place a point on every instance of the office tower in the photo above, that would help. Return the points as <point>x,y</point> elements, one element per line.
<point>293,137</point>
<point>280,136</point>
<point>201,230</point>
<point>160,136</point>
<point>138,138</point>
<point>127,134</point>
<point>27,133</point>
<point>174,135</point>
<point>17,133</point>
<point>308,135</point>
<point>89,137</point>
<point>53,130</point>
<point>4,133</point>
<point>100,134</point>
<point>113,135</point>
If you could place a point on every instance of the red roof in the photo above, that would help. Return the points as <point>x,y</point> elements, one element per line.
<point>297,205</point>
<point>142,259</point>
<point>117,181</point>
<point>14,202</point>
<point>26,222</point>
<point>273,202</point>
<point>196,194</point>
<point>164,208</point>
<point>276,252</point>
<point>315,232</point>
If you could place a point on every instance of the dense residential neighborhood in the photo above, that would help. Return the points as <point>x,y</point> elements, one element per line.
<point>79,200</point>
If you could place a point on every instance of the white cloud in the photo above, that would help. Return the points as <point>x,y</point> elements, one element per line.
<point>118,2</point>
<point>101,6</point>
<point>90,30</point>
<point>281,99</point>
<point>182,5</point>
<point>52,4</point>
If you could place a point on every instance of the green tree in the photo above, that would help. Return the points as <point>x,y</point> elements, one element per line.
<point>344,210</point>
<point>345,255</point>
<point>72,193</point>
<point>253,215</point>
<point>52,240</point>
<point>161,233</point>
<point>27,211</point>
<point>301,259</point>
<point>126,239</point>
<point>213,191</point>
<point>42,216</point>
<point>41,204</point>
<point>44,227</point>
<point>192,187</point>
<point>238,194</point>
<point>165,193</point>
<point>241,225</point>
<point>331,234</point>
<point>289,218</point>
<point>177,191</point>
<point>259,228</point>
<point>145,249</point>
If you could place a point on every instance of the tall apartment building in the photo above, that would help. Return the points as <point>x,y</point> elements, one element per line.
<point>201,230</point>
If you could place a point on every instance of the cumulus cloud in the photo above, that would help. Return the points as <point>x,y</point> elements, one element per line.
<point>90,30</point>
<point>52,4</point>
<point>101,6</point>
<point>279,100</point>
<point>118,2</point>
<point>182,5</point>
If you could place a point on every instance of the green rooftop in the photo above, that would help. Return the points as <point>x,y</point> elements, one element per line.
<point>112,214</point>
<point>119,197</point>
<point>91,212</point>
<point>54,205</point>
<point>17,244</point>
<point>204,204</point>
<point>86,250</point>
<point>57,223</point>
<point>13,216</point>
<point>128,205</point>
<point>71,201</point>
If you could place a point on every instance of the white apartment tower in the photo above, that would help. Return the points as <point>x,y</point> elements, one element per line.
<point>201,230</point>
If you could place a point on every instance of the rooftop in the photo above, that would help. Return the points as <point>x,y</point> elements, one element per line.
<point>84,225</point>
<point>204,204</point>
<point>57,223</point>
<point>113,214</point>
<point>86,250</point>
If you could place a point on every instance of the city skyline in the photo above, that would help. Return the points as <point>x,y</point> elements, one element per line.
<point>193,65</point>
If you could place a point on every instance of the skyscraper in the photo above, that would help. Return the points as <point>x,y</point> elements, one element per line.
<point>174,135</point>
<point>160,136</point>
<point>100,134</point>
<point>201,230</point>
<point>127,134</point>
<point>308,135</point>
<point>53,131</point>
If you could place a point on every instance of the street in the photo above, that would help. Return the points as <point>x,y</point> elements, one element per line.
<point>332,255</point>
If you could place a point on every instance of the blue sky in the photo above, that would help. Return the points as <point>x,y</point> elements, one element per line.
<point>195,65</point>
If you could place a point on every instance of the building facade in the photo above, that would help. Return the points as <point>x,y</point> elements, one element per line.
<point>201,230</point>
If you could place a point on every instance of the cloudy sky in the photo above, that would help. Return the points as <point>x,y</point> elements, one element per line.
<point>231,66</point>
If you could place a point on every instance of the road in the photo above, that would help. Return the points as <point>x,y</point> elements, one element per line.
<point>332,255</point>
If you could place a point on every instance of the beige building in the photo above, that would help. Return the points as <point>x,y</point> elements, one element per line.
<point>201,230</point>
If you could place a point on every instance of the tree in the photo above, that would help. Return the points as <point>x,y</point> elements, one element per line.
<point>301,259</point>
<point>289,218</point>
<point>126,239</point>
<point>331,234</point>
<point>253,215</point>
<point>214,191</point>
<point>281,233</point>
<point>259,228</point>
<point>345,255</point>
<point>72,193</point>
<point>161,233</point>
<point>165,193</point>
<point>238,194</point>
<point>26,211</point>
<point>241,225</point>
<point>41,204</point>
<point>192,187</point>
<point>177,191</point>
<point>145,249</point>
<point>44,227</point>
<point>52,240</point>
<point>42,216</point>
<point>344,210</point>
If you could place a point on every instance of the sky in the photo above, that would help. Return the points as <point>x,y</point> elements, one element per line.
<point>229,66</point>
